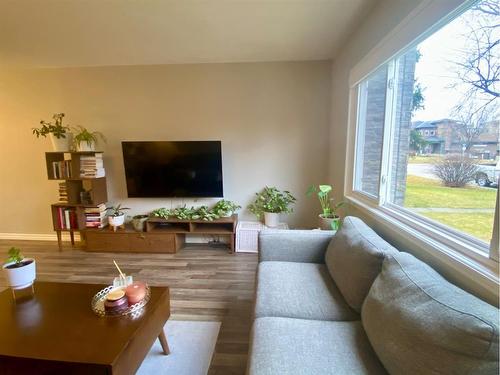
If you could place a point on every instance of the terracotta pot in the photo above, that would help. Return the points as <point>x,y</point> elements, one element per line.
<point>20,277</point>
<point>329,223</point>
<point>271,219</point>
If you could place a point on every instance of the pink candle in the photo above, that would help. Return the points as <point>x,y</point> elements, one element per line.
<point>135,292</point>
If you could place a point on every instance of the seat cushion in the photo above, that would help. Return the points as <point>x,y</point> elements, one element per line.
<point>354,258</point>
<point>296,346</point>
<point>418,323</point>
<point>299,290</point>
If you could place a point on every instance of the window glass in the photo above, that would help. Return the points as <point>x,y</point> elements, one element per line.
<point>370,132</point>
<point>445,139</point>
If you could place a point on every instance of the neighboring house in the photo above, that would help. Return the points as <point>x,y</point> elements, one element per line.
<point>442,139</point>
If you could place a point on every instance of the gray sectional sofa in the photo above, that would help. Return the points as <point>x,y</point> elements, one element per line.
<point>350,303</point>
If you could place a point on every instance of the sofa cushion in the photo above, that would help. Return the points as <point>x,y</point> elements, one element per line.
<point>296,346</point>
<point>299,290</point>
<point>418,323</point>
<point>354,258</point>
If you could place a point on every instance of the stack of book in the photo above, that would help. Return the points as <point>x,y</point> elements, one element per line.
<point>95,217</point>
<point>63,193</point>
<point>92,166</point>
<point>66,218</point>
<point>62,169</point>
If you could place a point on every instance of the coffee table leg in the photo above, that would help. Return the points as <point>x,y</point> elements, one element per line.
<point>163,342</point>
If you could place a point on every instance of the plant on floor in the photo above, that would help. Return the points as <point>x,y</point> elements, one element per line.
<point>85,137</point>
<point>115,211</point>
<point>57,129</point>
<point>225,208</point>
<point>163,213</point>
<point>272,200</point>
<point>203,213</point>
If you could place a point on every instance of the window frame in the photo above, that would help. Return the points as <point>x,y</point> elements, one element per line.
<point>436,237</point>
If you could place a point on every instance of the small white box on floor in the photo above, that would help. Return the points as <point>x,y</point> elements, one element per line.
<point>247,235</point>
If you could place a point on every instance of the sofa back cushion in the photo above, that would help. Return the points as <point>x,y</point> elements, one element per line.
<point>418,323</point>
<point>354,259</point>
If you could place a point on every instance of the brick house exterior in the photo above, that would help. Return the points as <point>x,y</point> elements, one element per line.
<point>442,139</point>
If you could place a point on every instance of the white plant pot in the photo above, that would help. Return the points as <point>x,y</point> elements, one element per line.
<point>21,277</point>
<point>84,146</point>
<point>271,219</point>
<point>61,144</point>
<point>116,221</point>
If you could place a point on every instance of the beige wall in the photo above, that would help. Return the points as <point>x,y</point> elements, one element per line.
<point>272,118</point>
<point>382,20</point>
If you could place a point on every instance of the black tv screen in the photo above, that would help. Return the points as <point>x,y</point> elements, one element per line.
<point>173,169</point>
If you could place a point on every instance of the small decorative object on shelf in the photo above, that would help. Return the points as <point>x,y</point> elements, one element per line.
<point>139,222</point>
<point>116,216</point>
<point>328,220</point>
<point>20,271</point>
<point>59,134</point>
<point>270,202</point>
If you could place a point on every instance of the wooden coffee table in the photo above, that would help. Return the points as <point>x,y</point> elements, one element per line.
<point>56,332</point>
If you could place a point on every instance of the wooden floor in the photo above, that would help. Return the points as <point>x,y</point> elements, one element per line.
<point>205,284</point>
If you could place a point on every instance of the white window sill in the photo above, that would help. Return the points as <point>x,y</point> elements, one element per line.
<point>474,263</point>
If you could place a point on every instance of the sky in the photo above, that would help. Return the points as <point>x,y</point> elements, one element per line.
<point>435,70</point>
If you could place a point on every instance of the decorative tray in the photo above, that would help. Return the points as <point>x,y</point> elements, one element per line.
<point>134,310</point>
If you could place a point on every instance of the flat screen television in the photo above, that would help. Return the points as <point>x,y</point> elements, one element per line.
<point>162,169</point>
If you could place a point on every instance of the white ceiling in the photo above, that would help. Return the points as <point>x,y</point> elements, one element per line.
<point>58,33</point>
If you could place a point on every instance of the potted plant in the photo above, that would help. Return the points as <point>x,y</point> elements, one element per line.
<point>225,208</point>
<point>329,219</point>
<point>163,213</point>
<point>58,133</point>
<point>116,216</point>
<point>85,140</point>
<point>271,202</point>
<point>139,221</point>
<point>20,272</point>
<point>203,213</point>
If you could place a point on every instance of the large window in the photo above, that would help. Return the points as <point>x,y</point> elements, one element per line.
<point>428,129</point>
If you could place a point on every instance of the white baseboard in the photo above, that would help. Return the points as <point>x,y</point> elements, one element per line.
<point>36,236</point>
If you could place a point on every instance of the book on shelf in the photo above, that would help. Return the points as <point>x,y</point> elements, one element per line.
<point>63,193</point>
<point>67,218</point>
<point>95,217</point>
<point>92,166</point>
<point>62,169</point>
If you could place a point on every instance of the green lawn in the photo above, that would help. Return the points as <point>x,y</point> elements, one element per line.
<point>423,192</point>
<point>427,193</point>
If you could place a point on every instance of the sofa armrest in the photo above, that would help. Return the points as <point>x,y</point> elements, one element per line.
<point>304,246</point>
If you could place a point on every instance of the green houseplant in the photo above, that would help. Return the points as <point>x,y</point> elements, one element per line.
<point>20,272</point>
<point>58,133</point>
<point>86,140</point>
<point>328,219</point>
<point>116,216</point>
<point>270,202</point>
<point>225,208</point>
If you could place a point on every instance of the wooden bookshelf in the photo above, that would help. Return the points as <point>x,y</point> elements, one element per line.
<point>69,167</point>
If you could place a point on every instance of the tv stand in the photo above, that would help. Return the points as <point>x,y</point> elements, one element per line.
<point>161,236</point>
